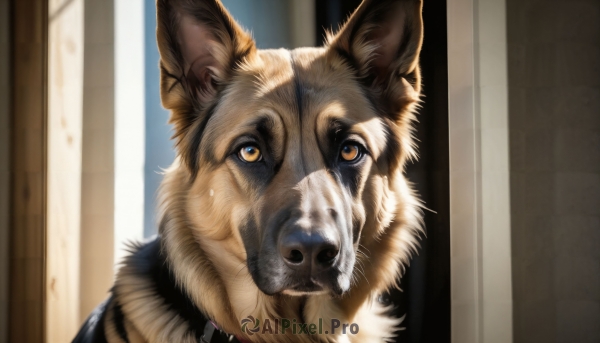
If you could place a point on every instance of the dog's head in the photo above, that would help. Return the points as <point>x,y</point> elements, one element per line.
<point>290,154</point>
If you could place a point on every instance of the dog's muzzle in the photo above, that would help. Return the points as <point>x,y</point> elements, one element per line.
<point>306,242</point>
<point>306,253</point>
<point>311,253</point>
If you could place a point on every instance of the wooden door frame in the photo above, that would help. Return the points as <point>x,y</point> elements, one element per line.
<point>29,75</point>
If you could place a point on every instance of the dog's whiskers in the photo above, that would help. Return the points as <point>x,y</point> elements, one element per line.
<point>361,269</point>
<point>359,251</point>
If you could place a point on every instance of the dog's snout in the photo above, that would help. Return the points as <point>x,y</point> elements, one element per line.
<point>304,250</point>
<point>309,244</point>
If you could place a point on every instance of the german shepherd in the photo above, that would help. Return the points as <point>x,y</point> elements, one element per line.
<point>287,204</point>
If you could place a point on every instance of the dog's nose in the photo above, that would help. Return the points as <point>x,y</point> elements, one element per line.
<point>301,249</point>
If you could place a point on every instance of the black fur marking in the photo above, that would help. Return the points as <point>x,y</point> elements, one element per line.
<point>251,240</point>
<point>352,179</point>
<point>300,92</point>
<point>176,298</point>
<point>119,321</point>
<point>298,88</point>
<point>193,153</point>
<point>348,175</point>
<point>258,174</point>
<point>264,127</point>
<point>169,75</point>
<point>92,330</point>
<point>150,261</point>
<point>336,132</point>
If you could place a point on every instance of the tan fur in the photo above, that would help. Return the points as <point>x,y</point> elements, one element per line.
<point>205,199</point>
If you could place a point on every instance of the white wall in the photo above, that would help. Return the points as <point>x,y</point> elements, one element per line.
<point>4,166</point>
<point>493,166</point>
<point>129,123</point>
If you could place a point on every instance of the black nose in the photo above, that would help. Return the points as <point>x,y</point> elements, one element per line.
<point>300,249</point>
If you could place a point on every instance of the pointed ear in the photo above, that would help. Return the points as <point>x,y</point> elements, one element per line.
<point>200,46</point>
<point>381,41</point>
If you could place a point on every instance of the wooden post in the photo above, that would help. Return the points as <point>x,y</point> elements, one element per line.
<point>5,143</point>
<point>28,171</point>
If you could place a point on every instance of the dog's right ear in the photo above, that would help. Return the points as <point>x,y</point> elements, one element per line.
<point>200,45</point>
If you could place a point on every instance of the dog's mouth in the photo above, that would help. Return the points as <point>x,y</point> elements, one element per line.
<point>306,288</point>
<point>334,282</point>
<point>335,286</point>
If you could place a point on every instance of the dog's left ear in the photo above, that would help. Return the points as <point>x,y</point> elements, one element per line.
<point>381,41</point>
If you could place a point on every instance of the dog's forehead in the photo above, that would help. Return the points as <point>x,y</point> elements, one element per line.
<point>302,82</point>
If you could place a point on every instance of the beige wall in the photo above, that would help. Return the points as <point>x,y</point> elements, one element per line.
<point>554,77</point>
<point>4,166</point>
<point>481,295</point>
<point>302,23</point>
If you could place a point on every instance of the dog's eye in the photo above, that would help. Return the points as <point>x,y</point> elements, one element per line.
<point>250,154</point>
<point>350,152</point>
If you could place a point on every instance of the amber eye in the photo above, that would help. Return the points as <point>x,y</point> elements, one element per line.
<point>350,152</point>
<point>250,154</point>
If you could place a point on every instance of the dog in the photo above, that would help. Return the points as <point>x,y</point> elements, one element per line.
<point>286,212</point>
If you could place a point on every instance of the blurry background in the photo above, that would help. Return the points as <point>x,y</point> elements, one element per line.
<point>509,138</point>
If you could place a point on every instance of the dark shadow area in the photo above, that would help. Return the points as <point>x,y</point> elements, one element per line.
<point>425,298</point>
